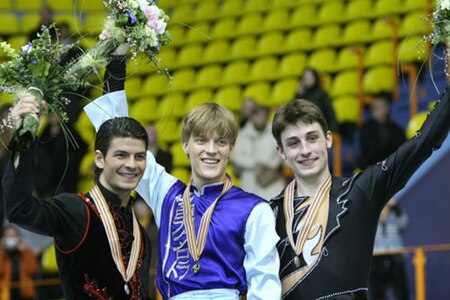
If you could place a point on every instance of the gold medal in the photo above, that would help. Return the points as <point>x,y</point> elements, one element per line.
<point>297,261</point>
<point>196,267</point>
<point>126,288</point>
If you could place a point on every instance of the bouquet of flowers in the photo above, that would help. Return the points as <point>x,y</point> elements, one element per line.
<point>440,22</point>
<point>35,68</point>
<point>139,23</point>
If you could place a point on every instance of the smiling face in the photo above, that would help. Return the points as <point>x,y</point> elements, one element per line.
<point>209,155</point>
<point>305,149</point>
<point>123,165</point>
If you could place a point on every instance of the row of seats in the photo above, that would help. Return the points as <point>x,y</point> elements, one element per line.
<point>55,5</point>
<point>305,12</point>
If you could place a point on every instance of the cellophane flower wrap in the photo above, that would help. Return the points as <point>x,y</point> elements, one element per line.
<point>36,68</point>
<point>139,23</point>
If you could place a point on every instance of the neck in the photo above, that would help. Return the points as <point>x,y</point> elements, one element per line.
<point>309,186</point>
<point>124,196</point>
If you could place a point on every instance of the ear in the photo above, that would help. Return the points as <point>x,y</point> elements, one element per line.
<point>281,152</point>
<point>329,138</point>
<point>99,159</point>
<point>186,148</point>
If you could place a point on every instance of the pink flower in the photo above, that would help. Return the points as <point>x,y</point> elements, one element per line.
<point>159,26</point>
<point>105,35</point>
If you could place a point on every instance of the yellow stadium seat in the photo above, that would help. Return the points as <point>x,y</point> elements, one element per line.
<point>180,159</point>
<point>231,8</point>
<point>412,49</point>
<point>85,184</point>
<point>177,34</point>
<point>29,22</point>
<point>263,68</point>
<point>236,72</point>
<point>386,7</point>
<point>256,6</point>
<point>133,87</point>
<point>13,24</point>
<point>87,164</point>
<point>224,28</point>
<point>168,131</point>
<point>327,36</point>
<point>415,123</point>
<point>251,23</point>
<point>293,37</point>
<point>182,13</point>
<point>283,91</point>
<point>414,23</point>
<point>358,9</point>
<point>71,19</point>
<point>412,5</point>
<point>303,16</point>
<point>276,19</point>
<point>5,4</point>
<point>167,58</point>
<point>85,129</point>
<point>382,28</point>
<point>190,55</point>
<point>345,83</point>
<point>17,41</point>
<point>89,5</point>
<point>243,47</point>
<point>208,77</point>
<point>182,173</point>
<point>346,109</point>
<point>323,60</point>
<point>198,32</point>
<point>172,106</point>
<point>141,65</point>
<point>198,97</point>
<point>156,84</point>
<point>216,52</point>
<point>330,12</point>
<point>260,91</point>
<point>87,42</point>
<point>93,23</point>
<point>229,96</point>
<point>378,79</point>
<point>206,10</point>
<point>283,3</point>
<point>291,65</point>
<point>183,80</point>
<point>144,110</point>
<point>270,43</point>
<point>356,32</point>
<point>61,5</point>
<point>26,5</point>
<point>379,53</point>
<point>347,58</point>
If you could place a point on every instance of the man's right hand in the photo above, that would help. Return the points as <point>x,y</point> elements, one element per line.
<point>27,105</point>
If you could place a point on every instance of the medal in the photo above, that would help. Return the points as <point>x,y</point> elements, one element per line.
<point>196,267</point>
<point>126,288</point>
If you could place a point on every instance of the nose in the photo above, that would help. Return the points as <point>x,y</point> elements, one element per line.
<point>130,162</point>
<point>211,147</point>
<point>305,149</point>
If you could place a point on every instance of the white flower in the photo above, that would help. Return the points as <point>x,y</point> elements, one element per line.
<point>445,4</point>
<point>105,35</point>
<point>133,4</point>
<point>158,25</point>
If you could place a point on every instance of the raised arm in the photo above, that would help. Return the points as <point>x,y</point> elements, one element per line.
<point>156,182</point>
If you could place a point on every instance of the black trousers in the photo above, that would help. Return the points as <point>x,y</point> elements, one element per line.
<point>388,273</point>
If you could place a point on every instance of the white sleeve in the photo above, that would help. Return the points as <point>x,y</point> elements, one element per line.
<point>261,261</point>
<point>156,182</point>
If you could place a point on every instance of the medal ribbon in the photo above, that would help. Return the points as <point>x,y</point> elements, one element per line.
<point>196,244</point>
<point>113,237</point>
<point>311,214</point>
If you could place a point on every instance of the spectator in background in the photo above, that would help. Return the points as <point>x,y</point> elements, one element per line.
<point>256,161</point>
<point>309,88</point>
<point>388,271</point>
<point>46,15</point>
<point>380,136</point>
<point>247,107</point>
<point>164,158</point>
<point>18,265</point>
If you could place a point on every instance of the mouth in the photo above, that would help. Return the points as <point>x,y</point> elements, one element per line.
<point>210,161</point>
<point>130,176</point>
<point>307,162</point>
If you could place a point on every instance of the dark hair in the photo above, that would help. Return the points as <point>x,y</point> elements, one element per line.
<point>117,127</point>
<point>316,76</point>
<point>297,111</point>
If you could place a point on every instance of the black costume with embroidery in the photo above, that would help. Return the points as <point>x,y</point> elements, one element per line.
<point>342,266</point>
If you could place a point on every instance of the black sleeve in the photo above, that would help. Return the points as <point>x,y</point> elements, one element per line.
<point>63,216</point>
<point>115,74</point>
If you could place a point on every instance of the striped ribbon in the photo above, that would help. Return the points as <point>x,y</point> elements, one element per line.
<point>311,214</point>
<point>196,244</point>
<point>113,237</point>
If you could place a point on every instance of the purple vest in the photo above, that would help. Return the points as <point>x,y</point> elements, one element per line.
<point>221,263</point>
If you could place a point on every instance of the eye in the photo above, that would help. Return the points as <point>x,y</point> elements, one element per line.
<point>313,138</point>
<point>121,155</point>
<point>292,143</point>
<point>200,140</point>
<point>223,142</point>
<point>141,157</point>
